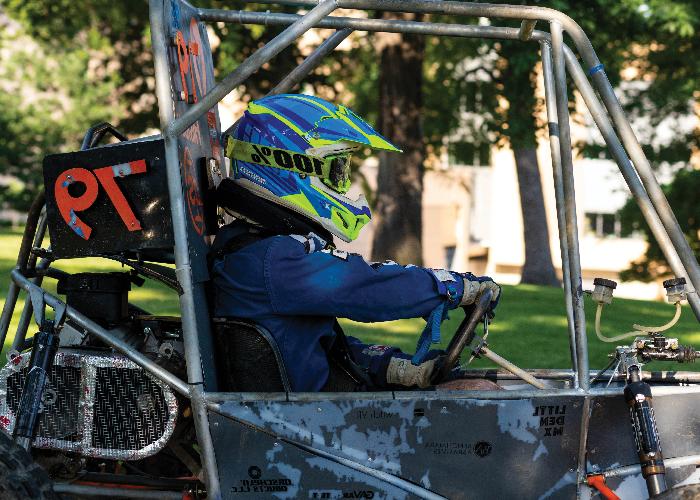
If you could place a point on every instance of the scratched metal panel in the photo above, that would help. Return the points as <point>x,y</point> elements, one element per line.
<point>255,465</point>
<point>191,77</point>
<point>611,441</point>
<point>457,448</point>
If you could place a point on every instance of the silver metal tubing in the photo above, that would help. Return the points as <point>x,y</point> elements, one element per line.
<point>105,336</point>
<point>552,118</point>
<point>489,354</point>
<point>192,326</point>
<point>526,29</point>
<point>33,215</point>
<point>423,395</point>
<point>102,491</point>
<point>562,102</point>
<point>249,66</point>
<point>618,152</point>
<point>7,310</point>
<point>26,316</point>
<point>586,411</point>
<point>669,463</point>
<point>358,24</point>
<point>311,62</point>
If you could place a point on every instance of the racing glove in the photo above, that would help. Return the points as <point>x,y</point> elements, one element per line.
<point>474,286</point>
<point>402,372</point>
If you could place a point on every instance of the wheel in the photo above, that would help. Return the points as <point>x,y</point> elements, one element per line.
<point>688,492</point>
<point>20,477</point>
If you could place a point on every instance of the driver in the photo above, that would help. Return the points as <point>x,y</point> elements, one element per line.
<point>277,266</point>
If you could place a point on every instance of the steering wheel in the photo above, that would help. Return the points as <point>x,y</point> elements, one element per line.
<point>464,336</point>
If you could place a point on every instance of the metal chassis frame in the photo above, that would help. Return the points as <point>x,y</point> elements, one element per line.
<point>557,58</point>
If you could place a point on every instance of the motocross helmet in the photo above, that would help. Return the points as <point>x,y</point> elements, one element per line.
<point>295,151</point>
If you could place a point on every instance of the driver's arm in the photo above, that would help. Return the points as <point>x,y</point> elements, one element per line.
<point>345,285</point>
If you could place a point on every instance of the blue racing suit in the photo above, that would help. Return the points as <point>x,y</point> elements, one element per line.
<point>296,288</point>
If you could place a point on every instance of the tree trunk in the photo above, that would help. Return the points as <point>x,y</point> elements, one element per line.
<point>397,214</point>
<point>519,82</point>
<point>538,268</point>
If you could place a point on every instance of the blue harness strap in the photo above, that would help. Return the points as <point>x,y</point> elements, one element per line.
<point>431,332</point>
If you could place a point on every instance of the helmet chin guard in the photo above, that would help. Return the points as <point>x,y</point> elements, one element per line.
<point>295,151</point>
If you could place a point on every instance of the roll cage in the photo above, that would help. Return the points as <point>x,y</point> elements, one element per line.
<point>179,110</point>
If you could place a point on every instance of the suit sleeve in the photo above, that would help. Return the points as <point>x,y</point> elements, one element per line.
<point>335,283</point>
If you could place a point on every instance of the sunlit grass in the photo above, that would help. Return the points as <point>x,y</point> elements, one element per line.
<point>530,328</point>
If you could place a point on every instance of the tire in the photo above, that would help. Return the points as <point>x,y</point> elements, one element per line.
<point>688,492</point>
<point>20,477</point>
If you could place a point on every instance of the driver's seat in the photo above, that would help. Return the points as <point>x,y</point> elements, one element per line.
<point>249,360</point>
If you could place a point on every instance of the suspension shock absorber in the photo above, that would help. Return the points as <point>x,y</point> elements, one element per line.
<point>30,404</point>
<point>646,435</point>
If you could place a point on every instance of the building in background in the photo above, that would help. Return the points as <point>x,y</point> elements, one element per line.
<point>472,220</point>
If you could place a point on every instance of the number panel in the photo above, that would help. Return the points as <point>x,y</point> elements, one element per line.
<point>109,200</point>
<point>191,77</point>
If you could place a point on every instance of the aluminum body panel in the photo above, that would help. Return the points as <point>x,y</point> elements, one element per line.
<point>528,446</point>
<point>611,441</point>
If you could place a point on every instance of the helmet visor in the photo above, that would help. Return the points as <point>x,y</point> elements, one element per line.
<point>338,178</point>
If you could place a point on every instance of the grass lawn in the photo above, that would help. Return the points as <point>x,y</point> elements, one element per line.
<point>529,330</point>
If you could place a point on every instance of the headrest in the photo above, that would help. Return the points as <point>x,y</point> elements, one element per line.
<point>272,218</point>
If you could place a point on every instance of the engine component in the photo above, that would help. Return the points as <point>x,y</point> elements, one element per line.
<point>102,297</point>
<point>102,405</point>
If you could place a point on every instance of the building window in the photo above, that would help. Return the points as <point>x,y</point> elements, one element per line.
<point>449,256</point>
<point>603,225</point>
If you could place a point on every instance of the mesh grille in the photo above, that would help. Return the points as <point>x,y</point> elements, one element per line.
<point>97,405</point>
<point>130,410</point>
<point>60,416</point>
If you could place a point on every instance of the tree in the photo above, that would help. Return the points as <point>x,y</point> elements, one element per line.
<point>506,72</point>
<point>682,195</point>
<point>400,180</point>
<point>671,42</point>
<point>45,108</point>
<point>87,62</point>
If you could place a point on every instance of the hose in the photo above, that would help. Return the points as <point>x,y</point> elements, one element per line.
<point>638,329</point>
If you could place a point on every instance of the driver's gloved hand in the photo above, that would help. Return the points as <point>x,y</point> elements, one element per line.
<point>474,286</point>
<point>402,372</point>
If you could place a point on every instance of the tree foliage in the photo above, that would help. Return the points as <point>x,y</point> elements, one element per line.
<point>90,61</point>
<point>682,194</point>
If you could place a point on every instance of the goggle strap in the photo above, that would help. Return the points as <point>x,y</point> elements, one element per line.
<point>283,159</point>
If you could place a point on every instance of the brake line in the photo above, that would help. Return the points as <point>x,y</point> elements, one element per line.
<point>638,329</point>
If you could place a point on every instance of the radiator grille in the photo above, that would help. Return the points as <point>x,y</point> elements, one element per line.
<point>100,405</point>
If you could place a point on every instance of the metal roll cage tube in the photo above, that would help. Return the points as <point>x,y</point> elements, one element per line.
<point>557,58</point>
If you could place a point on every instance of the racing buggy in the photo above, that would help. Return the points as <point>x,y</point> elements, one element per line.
<point>114,401</point>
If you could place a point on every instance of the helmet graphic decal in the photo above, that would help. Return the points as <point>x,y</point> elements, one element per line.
<point>295,150</point>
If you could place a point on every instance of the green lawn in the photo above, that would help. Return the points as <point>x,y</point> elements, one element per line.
<point>529,329</point>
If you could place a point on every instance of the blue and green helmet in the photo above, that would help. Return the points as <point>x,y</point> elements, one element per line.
<point>295,150</point>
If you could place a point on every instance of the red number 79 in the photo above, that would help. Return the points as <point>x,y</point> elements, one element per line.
<point>69,205</point>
